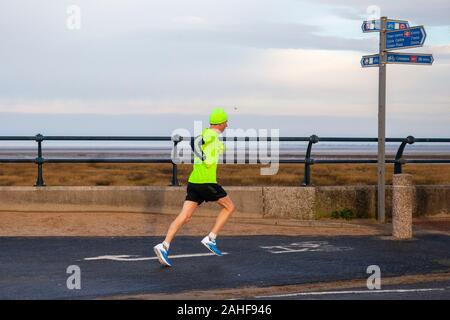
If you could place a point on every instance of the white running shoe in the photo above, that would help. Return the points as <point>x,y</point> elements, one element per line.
<point>211,245</point>
<point>162,254</point>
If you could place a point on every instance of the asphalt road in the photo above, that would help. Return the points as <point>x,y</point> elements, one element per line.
<point>36,268</point>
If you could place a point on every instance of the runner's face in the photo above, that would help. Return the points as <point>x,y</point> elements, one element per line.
<point>223,126</point>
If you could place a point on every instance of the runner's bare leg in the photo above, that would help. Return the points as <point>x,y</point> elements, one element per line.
<point>184,217</point>
<point>224,215</point>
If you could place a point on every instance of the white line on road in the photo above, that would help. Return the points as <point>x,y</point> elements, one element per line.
<point>138,258</point>
<point>350,292</point>
<point>305,246</point>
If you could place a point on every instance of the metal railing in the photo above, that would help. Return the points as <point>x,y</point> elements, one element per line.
<point>308,161</point>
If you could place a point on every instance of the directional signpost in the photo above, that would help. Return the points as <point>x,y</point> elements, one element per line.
<point>398,58</point>
<point>394,34</point>
<point>375,25</point>
<point>410,58</point>
<point>370,61</point>
<point>407,38</point>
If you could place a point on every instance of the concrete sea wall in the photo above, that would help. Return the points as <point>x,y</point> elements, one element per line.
<point>303,203</point>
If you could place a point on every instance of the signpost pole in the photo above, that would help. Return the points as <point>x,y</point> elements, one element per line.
<point>382,123</point>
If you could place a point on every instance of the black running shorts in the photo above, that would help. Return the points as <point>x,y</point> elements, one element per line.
<point>199,192</point>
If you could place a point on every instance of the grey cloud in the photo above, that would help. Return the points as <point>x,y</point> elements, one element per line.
<point>431,12</point>
<point>347,12</point>
<point>164,124</point>
<point>272,35</point>
<point>264,36</point>
<point>144,63</point>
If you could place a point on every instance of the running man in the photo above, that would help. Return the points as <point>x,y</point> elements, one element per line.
<point>202,186</point>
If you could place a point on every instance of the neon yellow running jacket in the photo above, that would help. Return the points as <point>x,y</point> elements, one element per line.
<point>204,171</point>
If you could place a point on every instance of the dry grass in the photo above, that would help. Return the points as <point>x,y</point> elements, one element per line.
<point>237,175</point>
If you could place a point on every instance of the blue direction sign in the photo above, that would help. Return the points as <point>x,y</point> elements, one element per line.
<point>375,25</point>
<point>370,61</point>
<point>410,58</point>
<point>407,38</point>
<point>400,58</point>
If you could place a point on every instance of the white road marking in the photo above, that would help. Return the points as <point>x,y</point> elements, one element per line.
<point>306,246</point>
<point>319,293</point>
<point>125,257</point>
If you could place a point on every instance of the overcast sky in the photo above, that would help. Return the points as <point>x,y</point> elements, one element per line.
<point>149,67</point>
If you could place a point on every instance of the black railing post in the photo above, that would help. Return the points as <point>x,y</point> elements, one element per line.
<point>176,139</point>
<point>39,161</point>
<point>399,156</point>
<point>308,161</point>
